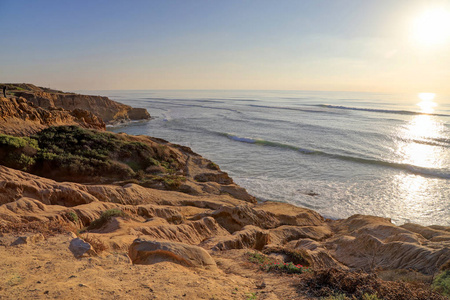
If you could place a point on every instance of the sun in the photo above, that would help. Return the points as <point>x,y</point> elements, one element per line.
<point>432,27</point>
<point>427,105</point>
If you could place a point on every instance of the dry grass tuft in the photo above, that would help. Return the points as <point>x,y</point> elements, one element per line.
<point>46,228</point>
<point>330,282</point>
<point>96,243</point>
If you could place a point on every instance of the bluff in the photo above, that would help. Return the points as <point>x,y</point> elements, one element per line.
<point>20,117</point>
<point>108,110</point>
<point>148,218</point>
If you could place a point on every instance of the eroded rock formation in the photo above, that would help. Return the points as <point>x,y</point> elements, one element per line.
<point>109,111</point>
<point>222,223</point>
<point>20,117</point>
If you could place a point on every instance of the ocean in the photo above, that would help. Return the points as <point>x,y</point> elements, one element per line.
<point>339,153</point>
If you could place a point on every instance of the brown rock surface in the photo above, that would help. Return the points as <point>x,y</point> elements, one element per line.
<point>146,252</point>
<point>209,222</point>
<point>223,223</point>
<point>20,117</point>
<point>108,110</point>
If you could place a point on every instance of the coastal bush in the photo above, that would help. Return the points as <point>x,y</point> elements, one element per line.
<point>289,268</point>
<point>442,283</point>
<point>83,155</point>
<point>17,152</point>
<point>18,142</point>
<point>357,285</point>
<point>173,182</point>
<point>105,217</point>
<point>269,264</point>
<point>259,258</point>
<point>72,216</point>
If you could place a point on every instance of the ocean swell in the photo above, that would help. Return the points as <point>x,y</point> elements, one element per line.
<point>426,172</point>
<point>386,111</point>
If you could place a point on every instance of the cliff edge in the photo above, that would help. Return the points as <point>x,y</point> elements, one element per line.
<point>108,110</point>
<point>89,214</point>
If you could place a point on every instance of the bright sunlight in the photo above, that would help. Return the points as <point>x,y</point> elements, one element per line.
<point>432,27</point>
<point>427,105</point>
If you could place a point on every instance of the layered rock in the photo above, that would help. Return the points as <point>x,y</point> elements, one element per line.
<point>20,117</point>
<point>219,223</point>
<point>150,252</point>
<point>202,221</point>
<point>108,110</point>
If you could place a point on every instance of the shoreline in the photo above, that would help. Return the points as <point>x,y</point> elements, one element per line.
<point>143,206</point>
<point>375,190</point>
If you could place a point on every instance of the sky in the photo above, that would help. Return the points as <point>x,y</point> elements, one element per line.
<point>345,45</point>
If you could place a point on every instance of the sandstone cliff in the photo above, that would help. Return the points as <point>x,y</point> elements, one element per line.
<point>156,220</point>
<point>70,153</point>
<point>20,117</point>
<point>109,111</point>
<point>163,229</point>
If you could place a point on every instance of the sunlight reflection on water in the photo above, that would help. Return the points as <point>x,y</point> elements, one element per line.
<point>417,148</point>
<point>414,149</point>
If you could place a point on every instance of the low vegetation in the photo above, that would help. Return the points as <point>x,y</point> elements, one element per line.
<point>105,217</point>
<point>76,154</point>
<point>296,256</point>
<point>333,284</point>
<point>48,228</point>
<point>269,264</point>
<point>442,283</point>
<point>96,243</point>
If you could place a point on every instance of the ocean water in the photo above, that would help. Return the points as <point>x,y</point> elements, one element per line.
<point>339,153</point>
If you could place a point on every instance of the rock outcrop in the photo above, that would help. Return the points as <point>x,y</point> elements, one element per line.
<point>108,110</point>
<point>151,251</point>
<point>167,207</point>
<point>20,117</point>
<point>220,223</point>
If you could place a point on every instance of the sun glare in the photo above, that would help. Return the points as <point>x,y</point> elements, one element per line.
<point>432,27</point>
<point>427,105</point>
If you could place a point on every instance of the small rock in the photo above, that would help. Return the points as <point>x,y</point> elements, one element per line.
<point>28,239</point>
<point>261,285</point>
<point>79,248</point>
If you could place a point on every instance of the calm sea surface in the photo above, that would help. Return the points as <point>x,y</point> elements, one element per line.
<point>338,153</point>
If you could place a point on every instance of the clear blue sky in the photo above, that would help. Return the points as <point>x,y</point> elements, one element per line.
<point>359,45</point>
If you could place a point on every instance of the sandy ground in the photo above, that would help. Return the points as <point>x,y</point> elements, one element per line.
<point>49,270</point>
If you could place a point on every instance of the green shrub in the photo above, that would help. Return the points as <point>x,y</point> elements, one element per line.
<point>270,265</point>
<point>72,216</point>
<point>370,297</point>
<point>289,268</point>
<point>18,142</point>
<point>259,258</point>
<point>173,182</point>
<point>442,283</point>
<point>83,155</point>
<point>105,217</point>
<point>336,296</point>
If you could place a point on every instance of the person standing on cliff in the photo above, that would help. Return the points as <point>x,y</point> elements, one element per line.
<point>4,91</point>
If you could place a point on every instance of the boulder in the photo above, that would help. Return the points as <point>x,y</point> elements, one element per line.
<point>146,252</point>
<point>80,248</point>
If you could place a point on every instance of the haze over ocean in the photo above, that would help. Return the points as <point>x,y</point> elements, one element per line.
<point>340,153</point>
